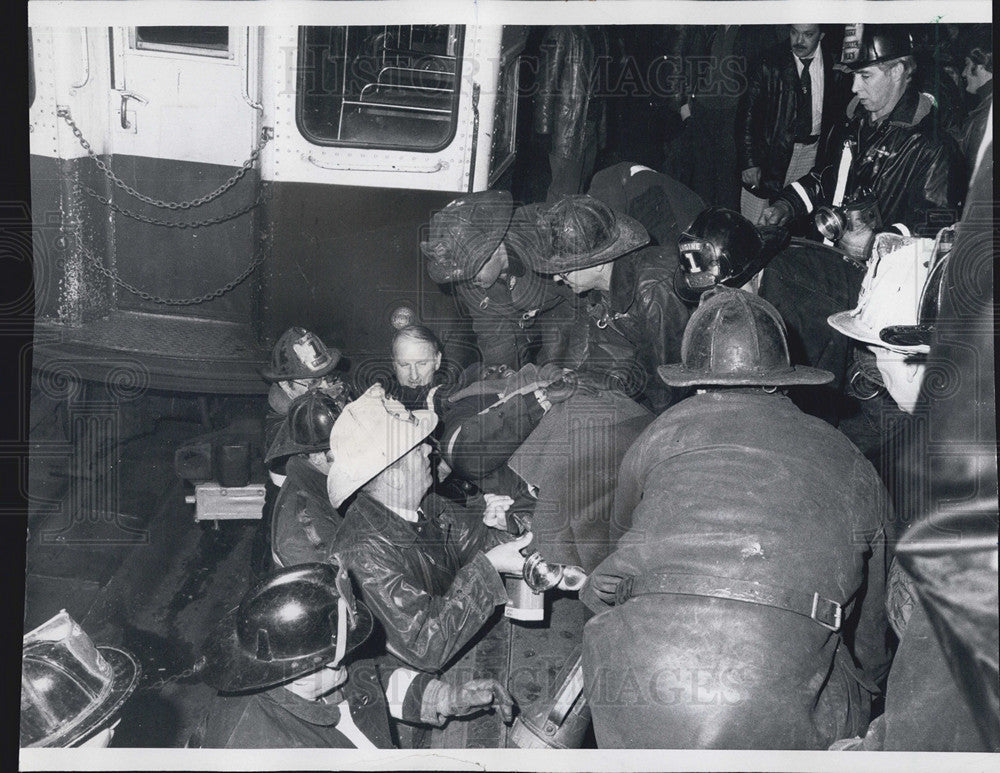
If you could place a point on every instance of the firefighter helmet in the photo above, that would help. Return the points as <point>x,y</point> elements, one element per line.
<point>300,354</point>
<point>306,429</point>
<point>723,248</point>
<point>735,338</point>
<point>868,44</point>
<point>580,232</point>
<point>465,234</point>
<point>289,624</point>
<point>70,689</point>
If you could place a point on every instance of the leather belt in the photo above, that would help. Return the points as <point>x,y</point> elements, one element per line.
<point>810,140</point>
<point>827,613</point>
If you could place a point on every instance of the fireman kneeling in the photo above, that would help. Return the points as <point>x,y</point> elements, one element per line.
<point>743,608</point>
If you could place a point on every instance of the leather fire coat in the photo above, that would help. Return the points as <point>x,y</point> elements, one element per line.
<point>304,526</point>
<point>765,124</point>
<point>428,583</point>
<point>739,489</point>
<point>905,161</point>
<point>521,304</point>
<point>279,719</point>
<point>565,106</point>
<point>636,327</point>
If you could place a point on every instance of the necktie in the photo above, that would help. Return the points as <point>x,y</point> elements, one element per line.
<point>803,124</point>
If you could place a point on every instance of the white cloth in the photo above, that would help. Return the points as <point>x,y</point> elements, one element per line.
<point>407,515</point>
<point>802,160</point>
<point>395,691</point>
<point>353,732</point>
<point>817,79</point>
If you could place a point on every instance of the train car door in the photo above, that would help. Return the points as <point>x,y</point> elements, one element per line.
<point>375,127</point>
<point>181,122</point>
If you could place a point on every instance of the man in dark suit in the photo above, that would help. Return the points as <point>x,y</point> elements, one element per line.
<point>793,94</point>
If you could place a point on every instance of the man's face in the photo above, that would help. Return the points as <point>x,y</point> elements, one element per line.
<point>318,683</point>
<point>581,280</point>
<point>491,269</point>
<point>878,90</point>
<point>322,461</point>
<point>804,38</point>
<point>415,362</point>
<point>418,466</point>
<point>973,76</point>
<point>411,474</point>
<point>298,387</point>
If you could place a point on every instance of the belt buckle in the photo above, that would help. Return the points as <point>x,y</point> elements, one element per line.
<point>838,612</point>
<point>623,591</point>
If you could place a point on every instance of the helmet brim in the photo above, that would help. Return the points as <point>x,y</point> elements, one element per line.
<point>284,446</point>
<point>794,375</point>
<point>849,324</point>
<point>125,677</point>
<point>629,236</point>
<point>229,668</point>
<point>915,339</point>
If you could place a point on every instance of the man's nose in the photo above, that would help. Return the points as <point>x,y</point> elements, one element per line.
<point>856,85</point>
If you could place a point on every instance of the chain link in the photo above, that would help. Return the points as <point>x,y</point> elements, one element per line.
<point>265,136</point>
<point>187,673</point>
<point>168,223</point>
<point>147,296</point>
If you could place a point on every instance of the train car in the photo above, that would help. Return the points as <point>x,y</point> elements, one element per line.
<point>197,190</point>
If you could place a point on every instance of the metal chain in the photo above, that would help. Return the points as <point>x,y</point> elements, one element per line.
<point>187,673</point>
<point>170,224</point>
<point>147,296</point>
<point>265,136</point>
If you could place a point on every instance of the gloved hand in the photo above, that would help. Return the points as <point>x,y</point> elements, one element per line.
<point>604,586</point>
<point>472,696</point>
<point>779,213</point>
<point>495,513</point>
<point>562,389</point>
<point>572,382</point>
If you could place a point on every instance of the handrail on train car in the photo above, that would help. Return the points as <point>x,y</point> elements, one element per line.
<point>246,79</point>
<point>85,43</point>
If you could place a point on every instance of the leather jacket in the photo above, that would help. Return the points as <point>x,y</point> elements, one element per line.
<point>503,314</point>
<point>742,487</point>
<point>765,124</point>
<point>280,719</point>
<point>565,106</point>
<point>428,583</point>
<point>908,165</point>
<point>974,126</point>
<point>636,327</point>
<point>304,525</point>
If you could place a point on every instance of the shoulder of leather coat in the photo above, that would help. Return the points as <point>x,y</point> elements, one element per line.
<point>641,273</point>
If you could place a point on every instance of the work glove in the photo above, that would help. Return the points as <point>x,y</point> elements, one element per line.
<point>469,697</point>
<point>570,384</point>
<point>495,512</point>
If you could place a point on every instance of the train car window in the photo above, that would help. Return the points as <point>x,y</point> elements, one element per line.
<point>394,87</point>
<point>200,41</point>
<point>31,70</point>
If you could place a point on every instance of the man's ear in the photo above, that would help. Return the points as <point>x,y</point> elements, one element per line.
<point>437,360</point>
